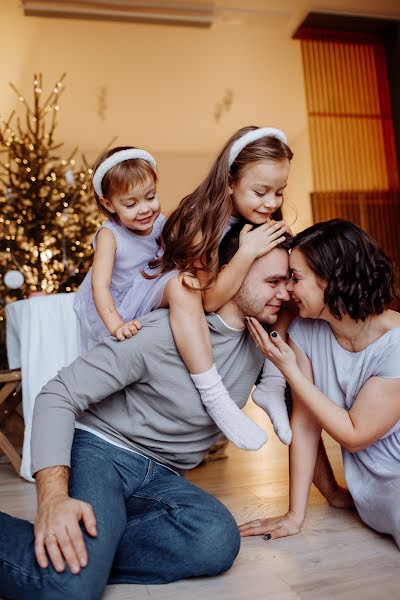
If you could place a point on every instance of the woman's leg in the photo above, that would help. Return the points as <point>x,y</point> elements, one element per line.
<point>192,338</point>
<point>175,530</point>
<point>325,481</point>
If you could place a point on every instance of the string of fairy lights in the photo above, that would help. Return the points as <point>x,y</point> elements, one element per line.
<point>47,214</point>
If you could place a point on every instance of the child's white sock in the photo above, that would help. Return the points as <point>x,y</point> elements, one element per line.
<point>237,427</point>
<point>270,396</point>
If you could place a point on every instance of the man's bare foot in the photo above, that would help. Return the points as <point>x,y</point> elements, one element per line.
<point>341,498</point>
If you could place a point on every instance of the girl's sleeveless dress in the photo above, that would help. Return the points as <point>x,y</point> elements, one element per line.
<point>133,294</point>
<point>132,256</point>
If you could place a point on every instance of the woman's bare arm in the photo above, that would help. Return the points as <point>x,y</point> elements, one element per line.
<point>302,458</point>
<point>374,412</point>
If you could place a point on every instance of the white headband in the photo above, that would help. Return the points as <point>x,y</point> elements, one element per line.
<point>115,159</point>
<point>252,136</point>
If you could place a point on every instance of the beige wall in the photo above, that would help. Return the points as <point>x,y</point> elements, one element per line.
<point>163,85</point>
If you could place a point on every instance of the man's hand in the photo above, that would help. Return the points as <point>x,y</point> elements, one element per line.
<point>57,529</point>
<point>127,330</point>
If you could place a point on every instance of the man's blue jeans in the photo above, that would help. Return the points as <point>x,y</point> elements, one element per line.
<point>153,527</point>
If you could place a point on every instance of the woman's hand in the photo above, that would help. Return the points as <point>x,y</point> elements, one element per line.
<point>273,347</point>
<point>273,527</point>
<point>127,330</point>
<point>260,240</point>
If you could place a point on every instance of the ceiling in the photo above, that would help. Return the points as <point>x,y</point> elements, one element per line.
<point>204,13</point>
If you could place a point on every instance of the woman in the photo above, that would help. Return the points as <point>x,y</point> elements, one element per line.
<point>347,343</point>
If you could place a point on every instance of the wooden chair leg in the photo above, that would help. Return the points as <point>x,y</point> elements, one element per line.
<point>10,452</point>
<point>10,398</point>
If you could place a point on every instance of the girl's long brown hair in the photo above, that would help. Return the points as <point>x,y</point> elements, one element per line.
<point>207,210</point>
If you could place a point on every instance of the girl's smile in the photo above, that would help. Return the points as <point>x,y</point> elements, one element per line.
<point>137,209</point>
<point>258,193</point>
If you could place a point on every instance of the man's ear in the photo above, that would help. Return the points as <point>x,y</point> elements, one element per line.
<point>107,205</point>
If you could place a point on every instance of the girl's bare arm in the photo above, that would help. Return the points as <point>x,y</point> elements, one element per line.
<point>103,264</point>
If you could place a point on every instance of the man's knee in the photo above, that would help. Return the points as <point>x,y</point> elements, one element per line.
<point>71,587</point>
<point>217,542</point>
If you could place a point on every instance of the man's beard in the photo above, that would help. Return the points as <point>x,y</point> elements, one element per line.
<point>265,318</point>
<point>254,307</point>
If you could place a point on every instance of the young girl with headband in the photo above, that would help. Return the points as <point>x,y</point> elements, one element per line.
<point>124,184</point>
<point>246,182</point>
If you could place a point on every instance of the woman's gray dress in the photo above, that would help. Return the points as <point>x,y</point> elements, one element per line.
<point>372,475</point>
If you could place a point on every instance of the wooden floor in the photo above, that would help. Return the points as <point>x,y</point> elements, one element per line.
<point>335,556</point>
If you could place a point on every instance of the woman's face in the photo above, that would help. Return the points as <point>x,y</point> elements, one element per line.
<point>305,288</point>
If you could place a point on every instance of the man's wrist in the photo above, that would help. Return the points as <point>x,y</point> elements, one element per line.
<point>52,483</point>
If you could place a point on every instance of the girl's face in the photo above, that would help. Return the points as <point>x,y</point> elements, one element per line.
<point>259,190</point>
<point>306,289</point>
<point>138,208</point>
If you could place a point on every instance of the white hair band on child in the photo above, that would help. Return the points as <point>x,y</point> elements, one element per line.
<point>252,136</point>
<point>117,158</point>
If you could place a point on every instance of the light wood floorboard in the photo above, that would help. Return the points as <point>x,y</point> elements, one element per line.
<point>335,557</point>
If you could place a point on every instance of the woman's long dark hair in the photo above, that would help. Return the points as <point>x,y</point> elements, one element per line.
<point>206,211</point>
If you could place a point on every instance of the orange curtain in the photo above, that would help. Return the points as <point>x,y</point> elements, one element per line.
<point>351,134</point>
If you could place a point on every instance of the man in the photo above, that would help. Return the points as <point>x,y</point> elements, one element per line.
<point>123,513</point>
<point>115,508</point>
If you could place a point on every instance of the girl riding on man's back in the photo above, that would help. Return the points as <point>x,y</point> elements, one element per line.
<point>245,183</point>
<point>124,184</point>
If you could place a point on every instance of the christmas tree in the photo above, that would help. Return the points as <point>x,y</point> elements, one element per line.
<point>47,215</point>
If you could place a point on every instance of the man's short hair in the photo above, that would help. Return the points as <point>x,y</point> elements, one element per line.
<point>230,243</point>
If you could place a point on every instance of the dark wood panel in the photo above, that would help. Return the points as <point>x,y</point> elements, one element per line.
<point>377,212</point>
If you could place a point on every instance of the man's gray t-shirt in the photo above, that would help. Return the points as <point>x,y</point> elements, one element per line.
<point>139,394</point>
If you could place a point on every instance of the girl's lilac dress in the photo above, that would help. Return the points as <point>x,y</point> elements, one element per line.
<point>133,294</point>
<point>132,256</point>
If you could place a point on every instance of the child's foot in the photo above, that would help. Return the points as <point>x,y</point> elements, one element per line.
<point>236,426</point>
<point>270,396</point>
